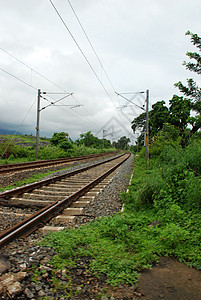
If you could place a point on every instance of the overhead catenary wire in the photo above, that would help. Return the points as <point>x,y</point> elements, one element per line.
<point>53,103</point>
<point>129,101</point>
<point>30,85</point>
<point>80,49</point>
<point>90,43</point>
<point>47,94</point>
<point>32,70</point>
<point>71,107</point>
<point>18,78</point>
<point>24,82</point>
<point>88,112</point>
<point>18,128</point>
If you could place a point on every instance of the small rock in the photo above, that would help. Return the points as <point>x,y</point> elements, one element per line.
<point>45,275</point>
<point>3,266</point>
<point>23,266</point>
<point>14,289</point>
<point>28,293</point>
<point>20,276</point>
<point>41,293</point>
<point>7,279</point>
<point>79,272</point>
<point>45,268</point>
<point>38,287</point>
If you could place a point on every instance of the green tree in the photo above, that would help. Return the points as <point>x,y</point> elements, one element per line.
<point>62,140</point>
<point>192,90</point>
<point>89,140</point>
<point>139,123</point>
<point>179,112</point>
<point>158,116</point>
<point>122,143</point>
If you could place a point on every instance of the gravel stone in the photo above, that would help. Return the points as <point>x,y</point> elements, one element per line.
<point>28,255</point>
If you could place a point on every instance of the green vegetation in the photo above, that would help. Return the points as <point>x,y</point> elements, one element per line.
<point>32,179</point>
<point>193,91</point>
<point>22,148</point>
<point>162,215</point>
<point>122,143</point>
<point>161,218</point>
<point>184,113</point>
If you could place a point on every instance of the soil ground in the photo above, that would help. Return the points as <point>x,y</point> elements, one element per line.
<point>170,280</point>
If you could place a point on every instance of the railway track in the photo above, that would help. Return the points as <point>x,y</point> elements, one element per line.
<point>11,168</point>
<point>60,199</point>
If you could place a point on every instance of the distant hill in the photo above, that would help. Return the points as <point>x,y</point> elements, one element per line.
<point>6,131</point>
<point>24,140</point>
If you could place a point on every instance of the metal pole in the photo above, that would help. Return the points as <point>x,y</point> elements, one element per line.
<point>137,142</point>
<point>147,126</point>
<point>37,125</point>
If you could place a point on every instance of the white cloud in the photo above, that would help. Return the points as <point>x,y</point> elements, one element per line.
<point>141,44</point>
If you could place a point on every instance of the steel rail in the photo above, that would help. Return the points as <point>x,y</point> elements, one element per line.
<point>44,182</point>
<point>43,163</point>
<point>31,223</point>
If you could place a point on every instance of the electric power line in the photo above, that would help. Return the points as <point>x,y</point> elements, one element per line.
<point>32,70</point>
<point>45,98</point>
<point>91,44</point>
<point>130,101</point>
<point>88,62</point>
<point>18,79</point>
<point>19,126</point>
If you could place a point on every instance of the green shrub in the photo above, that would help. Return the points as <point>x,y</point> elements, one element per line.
<point>7,148</point>
<point>193,156</point>
<point>145,184</point>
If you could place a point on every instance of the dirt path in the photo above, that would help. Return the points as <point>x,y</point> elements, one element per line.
<point>170,280</point>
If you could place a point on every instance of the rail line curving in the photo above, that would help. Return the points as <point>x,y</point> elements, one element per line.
<point>56,195</point>
<point>8,168</point>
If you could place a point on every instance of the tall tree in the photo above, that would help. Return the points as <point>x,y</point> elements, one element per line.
<point>59,137</point>
<point>179,110</point>
<point>122,143</point>
<point>89,140</point>
<point>178,114</point>
<point>157,117</point>
<point>192,90</point>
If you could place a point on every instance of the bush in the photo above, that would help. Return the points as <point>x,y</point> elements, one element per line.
<point>145,184</point>
<point>7,148</point>
<point>193,156</point>
<point>23,151</point>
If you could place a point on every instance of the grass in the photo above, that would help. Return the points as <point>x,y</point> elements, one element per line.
<point>18,153</point>
<point>32,179</point>
<point>122,245</point>
<point>162,218</point>
<point>22,138</point>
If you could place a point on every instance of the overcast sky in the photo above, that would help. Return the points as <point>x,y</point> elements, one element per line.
<point>141,45</point>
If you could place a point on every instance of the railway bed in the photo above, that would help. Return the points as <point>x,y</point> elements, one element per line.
<point>56,195</point>
<point>28,253</point>
<point>9,178</point>
<point>11,168</point>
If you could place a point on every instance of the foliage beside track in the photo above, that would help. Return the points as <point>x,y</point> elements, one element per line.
<point>23,148</point>
<point>161,218</point>
<point>32,179</point>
